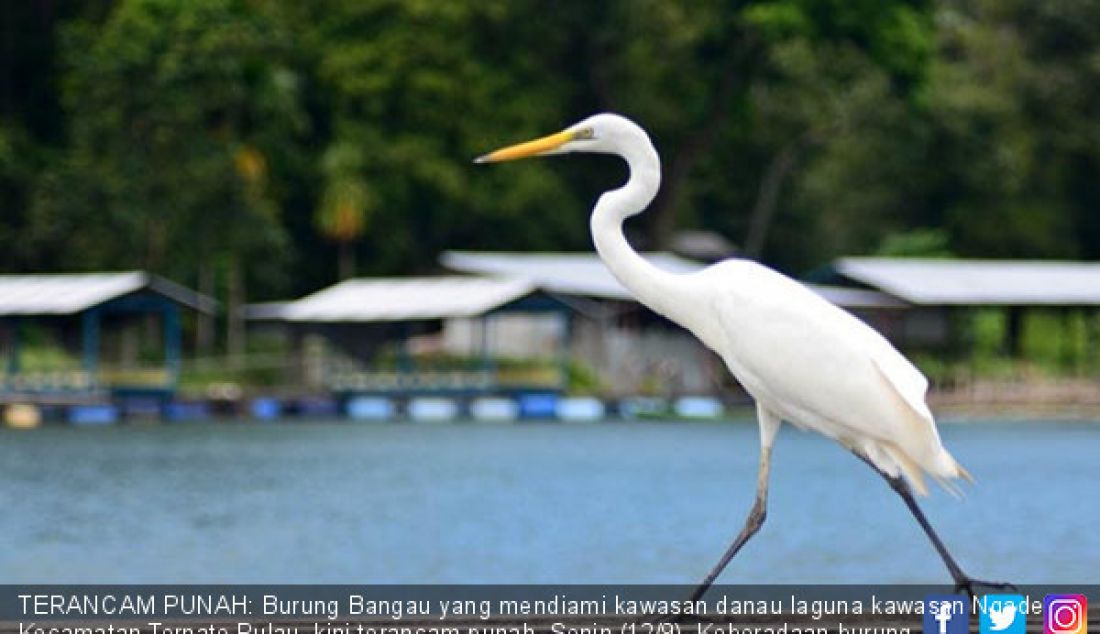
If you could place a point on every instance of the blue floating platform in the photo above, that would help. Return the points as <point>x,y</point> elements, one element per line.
<point>93,414</point>
<point>140,408</point>
<point>581,409</point>
<point>538,406</point>
<point>432,409</point>
<point>370,408</point>
<point>699,407</point>
<point>265,408</point>
<point>180,411</point>
<point>494,409</point>
<point>317,407</point>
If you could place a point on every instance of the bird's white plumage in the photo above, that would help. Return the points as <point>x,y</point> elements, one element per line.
<point>815,365</point>
<point>802,358</point>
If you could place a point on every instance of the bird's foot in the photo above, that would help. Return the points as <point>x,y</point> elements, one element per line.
<point>968,585</point>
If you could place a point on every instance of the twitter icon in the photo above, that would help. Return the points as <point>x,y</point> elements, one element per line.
<point>1002,614</point>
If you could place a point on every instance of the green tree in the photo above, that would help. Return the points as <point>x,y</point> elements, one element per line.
<point>418,89</point>
<point>741,98</point>
<point>32,123</point>
<point>1013,98</point>
<point>220,141</point>
<point>176,110</point>
<point>346,202</point>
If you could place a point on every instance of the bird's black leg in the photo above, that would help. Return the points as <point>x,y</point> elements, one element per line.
<point>769,425</point>
<point>753,523</point>
<point>963,581</point>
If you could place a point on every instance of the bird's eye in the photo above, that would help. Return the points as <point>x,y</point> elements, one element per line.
<point>584,133</point>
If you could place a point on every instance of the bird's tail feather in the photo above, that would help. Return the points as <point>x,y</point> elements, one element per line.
<point>952,488</point>
<point>959,472</point>
<point>912,471</point>
<point>963,473</point>
<point>948,470</point>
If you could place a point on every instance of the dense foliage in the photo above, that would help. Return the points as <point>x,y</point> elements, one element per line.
<point>237,144</point>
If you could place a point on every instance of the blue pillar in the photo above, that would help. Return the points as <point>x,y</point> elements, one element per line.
<point>173,334</point>
<point>90,328</point>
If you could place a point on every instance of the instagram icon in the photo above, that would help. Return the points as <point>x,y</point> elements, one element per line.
<point>1065,614</point>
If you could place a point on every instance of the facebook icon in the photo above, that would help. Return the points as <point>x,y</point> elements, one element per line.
<point>946,614</point>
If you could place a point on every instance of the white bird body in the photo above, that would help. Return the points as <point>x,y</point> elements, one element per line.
<point>815,365</point>
<point>803,359</point>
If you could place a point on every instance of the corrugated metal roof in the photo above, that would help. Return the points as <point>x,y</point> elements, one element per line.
<point>265,311</point>
<point>856,297</point>
<point>411,298</point>
<point>978,282</point>
<point>566,273</point>
<point>70,293</point>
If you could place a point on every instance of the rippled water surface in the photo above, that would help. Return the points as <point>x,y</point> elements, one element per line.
<point>534,503</point>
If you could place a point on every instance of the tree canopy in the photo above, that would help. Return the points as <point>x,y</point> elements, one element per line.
<point>222,140</point>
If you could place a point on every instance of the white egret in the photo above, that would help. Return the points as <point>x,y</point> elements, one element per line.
<point>803,359</point>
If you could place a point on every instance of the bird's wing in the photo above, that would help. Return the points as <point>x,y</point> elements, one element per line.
<point>822,368</point>
<point>771,317</point>
<point>905,379</point>
<point>911,387</point>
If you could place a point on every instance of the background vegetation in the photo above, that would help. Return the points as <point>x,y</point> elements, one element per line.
<point>258,149</point>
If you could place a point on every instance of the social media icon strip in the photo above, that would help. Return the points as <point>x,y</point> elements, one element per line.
<point>1065,614</point>
<point>1002,614</point>
<point>947,614</point>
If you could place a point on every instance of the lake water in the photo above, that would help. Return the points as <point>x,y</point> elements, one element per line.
<point>528,503</point>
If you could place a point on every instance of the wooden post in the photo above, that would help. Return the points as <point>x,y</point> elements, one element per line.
<point>296,371</point>
<point>483,344</point>
<point>1067,340</point>
<point>1014,331</point>
<point>15,334</point>
<point>1092,339</point>
<point>90,330</point>
<point>563,348</point>
<point>234,320</point>
<point>172,336</point>
<point>204,323</point>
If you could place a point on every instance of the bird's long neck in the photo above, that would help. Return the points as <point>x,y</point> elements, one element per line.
<point>657,289</point>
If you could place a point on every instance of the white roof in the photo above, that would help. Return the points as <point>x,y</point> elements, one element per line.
<point>70,293</point>
<point>976,282</point>
<point>856,297</point>
<point>404,298</point>
<point>581,273</point>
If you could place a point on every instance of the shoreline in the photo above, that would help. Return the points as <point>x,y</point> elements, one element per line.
<point>1032,400</point>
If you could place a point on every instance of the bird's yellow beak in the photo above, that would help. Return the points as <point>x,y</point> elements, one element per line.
<point>530,148</point>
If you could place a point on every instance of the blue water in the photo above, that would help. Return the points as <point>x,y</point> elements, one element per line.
<point>614,503</point>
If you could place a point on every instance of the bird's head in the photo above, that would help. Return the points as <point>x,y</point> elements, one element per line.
<point>603,133</point>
